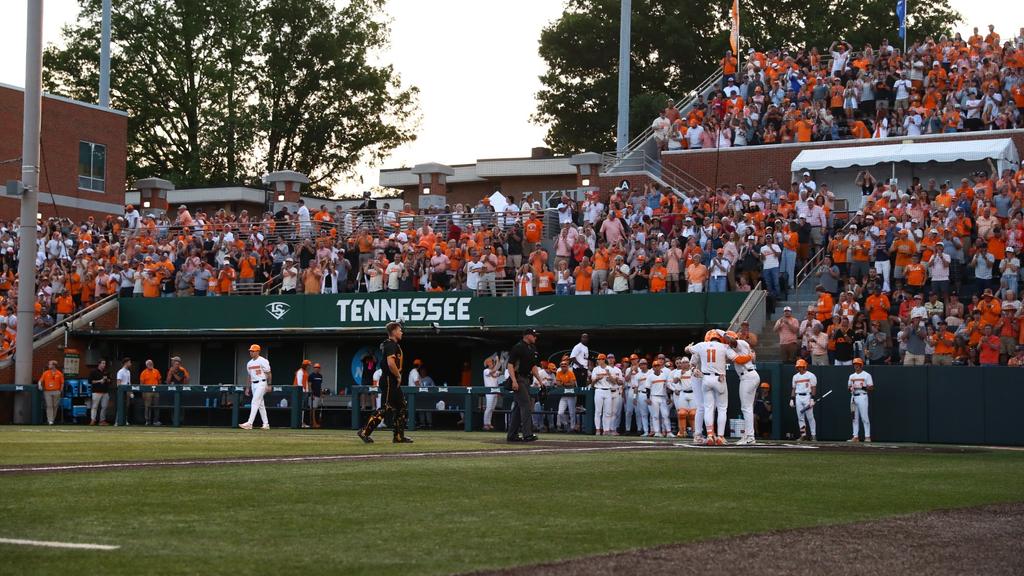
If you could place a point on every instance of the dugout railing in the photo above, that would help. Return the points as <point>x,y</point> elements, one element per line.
<point>216,398</point>
<point>467,398</point>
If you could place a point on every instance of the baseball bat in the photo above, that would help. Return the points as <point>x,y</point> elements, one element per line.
<point>816,400</point>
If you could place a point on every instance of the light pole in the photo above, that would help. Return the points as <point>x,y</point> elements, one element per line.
<point>105,56</point>
<point>30,198</point>
<point>625,24</point>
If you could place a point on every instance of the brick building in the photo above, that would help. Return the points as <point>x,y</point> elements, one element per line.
<point>437,184</point>
<point>83,156</point>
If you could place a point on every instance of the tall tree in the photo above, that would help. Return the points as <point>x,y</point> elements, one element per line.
<point>219,91</point>
<point>676,45</point>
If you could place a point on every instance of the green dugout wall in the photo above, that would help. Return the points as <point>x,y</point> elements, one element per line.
<point>948,404</point>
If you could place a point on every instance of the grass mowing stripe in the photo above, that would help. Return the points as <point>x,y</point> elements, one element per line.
<point>441,515</point>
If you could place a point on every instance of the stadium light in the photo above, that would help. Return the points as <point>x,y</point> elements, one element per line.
<point>586,181</point>
<point>280,197</point>
<point>426,190</point>
<point>39,215</point>
<point>146,204</point>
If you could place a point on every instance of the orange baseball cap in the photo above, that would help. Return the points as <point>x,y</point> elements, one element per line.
<point>254,348</point>
<point>306,362</point>
<point>601,357</point>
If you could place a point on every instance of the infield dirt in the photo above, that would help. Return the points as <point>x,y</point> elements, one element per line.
<point>986,540</point>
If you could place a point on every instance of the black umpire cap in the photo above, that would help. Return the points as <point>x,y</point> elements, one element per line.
<point>530,332</point>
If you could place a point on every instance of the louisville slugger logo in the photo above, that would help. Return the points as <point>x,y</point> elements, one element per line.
<point>278,309</point>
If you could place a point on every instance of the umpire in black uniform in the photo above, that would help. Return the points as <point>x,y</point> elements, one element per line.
<point>523,359</point>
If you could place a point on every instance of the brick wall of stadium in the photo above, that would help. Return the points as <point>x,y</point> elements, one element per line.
<point>755,165</point>
<point>65,123</point>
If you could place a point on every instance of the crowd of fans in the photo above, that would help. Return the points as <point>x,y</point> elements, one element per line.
<point>927,275</point>
<point>938,86</point>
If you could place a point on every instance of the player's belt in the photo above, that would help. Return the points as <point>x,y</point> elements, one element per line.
<point>859,393</point>
<point>600,388</point>
<point>801,393</point>
<point>710,374</point>
<point>657,395</point>
<point>687,391</point>
<point>259,381</point>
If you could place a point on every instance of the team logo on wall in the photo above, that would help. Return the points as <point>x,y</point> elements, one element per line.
<point>278,309</point>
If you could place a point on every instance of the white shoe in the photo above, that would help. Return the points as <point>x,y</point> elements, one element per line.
<point>700,441</point>
<point>266,427</point>
<point>305,425</point>
<point>245,426</point>
<point>745,441</point>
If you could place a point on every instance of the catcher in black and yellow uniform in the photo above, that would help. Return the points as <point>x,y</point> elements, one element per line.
<point>392,398</point>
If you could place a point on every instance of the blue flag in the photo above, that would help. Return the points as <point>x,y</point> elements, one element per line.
<point>901,15</point>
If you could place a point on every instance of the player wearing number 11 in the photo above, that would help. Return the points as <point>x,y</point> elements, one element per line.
<point>711,357</point>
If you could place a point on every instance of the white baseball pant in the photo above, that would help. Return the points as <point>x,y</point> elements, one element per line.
<point>883,268</point>
<point>716,397</point>
<point>749,382</point>
<point>258,391</point>
<point>630,409</point>
<point>567,406</point>
<point>490,401</point>
<point>603,410</point>
<point>643,415</point>
<point>616,409</point>
<point>698,418</point>
<point>659,423</point>
<point>666,416</point>
<point>860,414</point>
<point>805,417</point>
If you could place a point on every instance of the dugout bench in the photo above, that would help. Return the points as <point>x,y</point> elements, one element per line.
<point>236,394</point>
<point>468,397</point>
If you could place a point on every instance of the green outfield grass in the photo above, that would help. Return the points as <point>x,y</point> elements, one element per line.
<point>439,515</point>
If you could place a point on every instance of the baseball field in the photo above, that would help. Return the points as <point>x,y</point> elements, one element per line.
<point>215,501</point>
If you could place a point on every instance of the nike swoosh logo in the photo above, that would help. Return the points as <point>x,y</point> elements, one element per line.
<point>531,312</point>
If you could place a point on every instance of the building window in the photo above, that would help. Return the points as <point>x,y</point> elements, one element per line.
<point>92,166</point>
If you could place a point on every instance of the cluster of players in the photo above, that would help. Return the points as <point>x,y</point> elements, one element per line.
<point>694,388</point>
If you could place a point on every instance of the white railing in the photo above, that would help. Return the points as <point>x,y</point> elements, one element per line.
<point>684,105</point>
<point>752,310</point>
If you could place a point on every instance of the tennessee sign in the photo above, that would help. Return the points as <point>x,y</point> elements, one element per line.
<point>404,309</point>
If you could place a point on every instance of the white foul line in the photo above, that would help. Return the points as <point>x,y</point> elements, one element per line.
<point>288,459</point>
<point>57,544</point>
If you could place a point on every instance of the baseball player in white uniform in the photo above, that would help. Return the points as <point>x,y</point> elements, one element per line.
<point>259,382</point>
<point>805,385</point>
<point>682,390</point>
<point>636,384</point>
<point>749,381</point>
<point>491,374</point>
<point>617,394</point>
<point>712,357</point>
<point>860,383</point>
<point>655,395</point>
<point>601,380</point>
<point>629,375</point>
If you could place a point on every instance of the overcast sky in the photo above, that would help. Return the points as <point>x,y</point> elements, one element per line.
<point>474,61</point>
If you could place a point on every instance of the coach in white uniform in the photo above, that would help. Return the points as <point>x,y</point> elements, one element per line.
<point>859,384</point>
<point>601,380</point>
<point>805,385</point>
<point>124,378</point>
<point>749,381</point>
<point>259,382</point>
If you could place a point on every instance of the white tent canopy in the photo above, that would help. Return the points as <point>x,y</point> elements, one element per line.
<point>1002,151</point>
